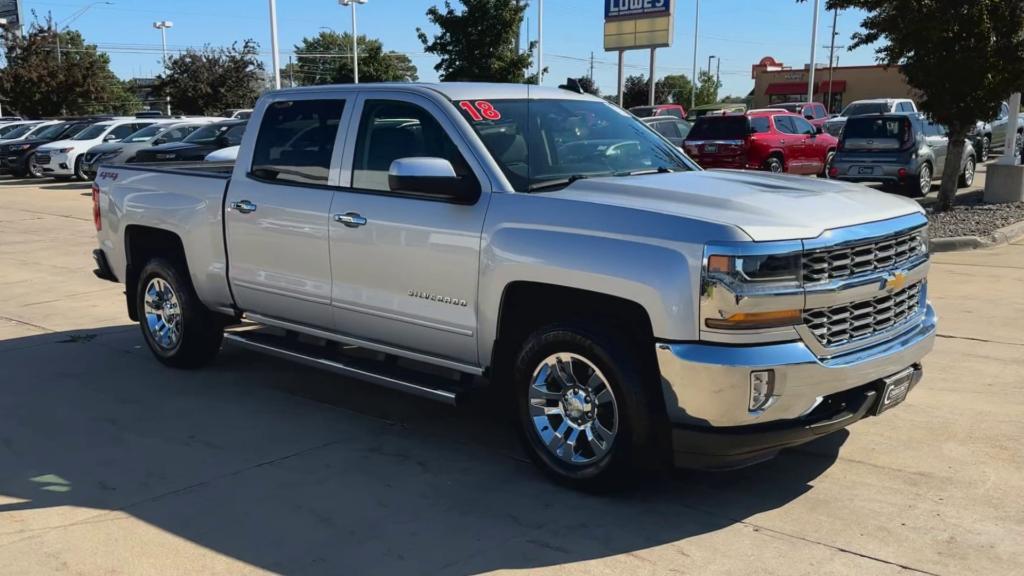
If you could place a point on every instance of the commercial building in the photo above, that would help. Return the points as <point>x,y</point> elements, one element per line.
<point>775,83</point>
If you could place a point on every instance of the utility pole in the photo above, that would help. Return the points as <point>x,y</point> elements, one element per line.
<point>831,58</point>
<point>291,73</point>
<point>814,52</point>
<point>693,81</point>
<point>710,58</point>
<point>273,44</point>
<point>591,66</point>
<point>718,73</point>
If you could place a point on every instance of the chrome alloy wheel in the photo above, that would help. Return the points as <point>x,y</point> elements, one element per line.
<point>925,181</point>
<point>573,409</point>
<point>163,314</point>
<point>969,171</point>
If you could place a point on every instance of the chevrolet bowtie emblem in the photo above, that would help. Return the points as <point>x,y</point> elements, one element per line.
<point>895,282</point>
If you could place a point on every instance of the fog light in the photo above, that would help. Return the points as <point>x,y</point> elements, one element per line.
<point>762,386</point>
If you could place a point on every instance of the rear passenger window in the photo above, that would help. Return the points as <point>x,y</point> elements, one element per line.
<point>390,130</point>
<point>759,125</point>
<point>785,125</point>
<point>296,141</point>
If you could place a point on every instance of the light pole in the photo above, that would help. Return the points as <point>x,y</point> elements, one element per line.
<point>162,26</point>
<point>710,58</point>
<point>540,42</point>
<point>355,37</point>
<point>273,44</point>
<point>814,47</point>
<point>693,81</point>
<point>3,24</point>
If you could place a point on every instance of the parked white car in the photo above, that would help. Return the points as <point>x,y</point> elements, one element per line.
<point>834,126</point>
<point>63,159</point>
<point>24,130</point>
<point>229,154</point>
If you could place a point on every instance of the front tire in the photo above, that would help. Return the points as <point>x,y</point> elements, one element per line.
<point>584,408</point>
<point>986,148</point>
<point>79,172</point>
<point>922,185</point>
<point>967,176</point>
<point>34,170</point>
<point>179,330</point>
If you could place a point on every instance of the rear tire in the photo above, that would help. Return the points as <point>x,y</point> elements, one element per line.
<point>828,164</point>
<point>584,406</point>
<point>986,148</point>
<point>774,165</point>
<point>179,330</point>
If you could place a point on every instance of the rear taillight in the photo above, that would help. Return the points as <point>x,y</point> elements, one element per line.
<point>96,207</point>
<point>833,172</point>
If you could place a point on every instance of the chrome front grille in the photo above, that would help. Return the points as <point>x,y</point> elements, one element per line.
<point>839,263</point>
<point>846,323</point>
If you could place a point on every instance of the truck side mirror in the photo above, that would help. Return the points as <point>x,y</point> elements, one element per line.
<point>433,177</point>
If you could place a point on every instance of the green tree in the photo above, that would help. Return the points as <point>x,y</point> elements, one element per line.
<point>635,91</point>
<point>588,85</point>
<point>36,83</point>
<point>327,59</point>
<point>707,88</point>
<point>673,89</point>
<point>211,80</point>
<point>963,57</point>
<point>478,43</point>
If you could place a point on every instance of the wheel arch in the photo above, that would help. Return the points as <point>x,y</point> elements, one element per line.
<point>141,244</point>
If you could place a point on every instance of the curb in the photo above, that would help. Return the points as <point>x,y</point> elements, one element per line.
<point>1001,236</point>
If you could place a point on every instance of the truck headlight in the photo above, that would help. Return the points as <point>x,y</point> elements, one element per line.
<point>763,268</point>
<point>752,287</point>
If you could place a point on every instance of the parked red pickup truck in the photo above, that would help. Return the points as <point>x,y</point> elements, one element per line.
<point>770,140</point>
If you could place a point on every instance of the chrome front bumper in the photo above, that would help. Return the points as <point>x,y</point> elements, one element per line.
<point>708,385</point>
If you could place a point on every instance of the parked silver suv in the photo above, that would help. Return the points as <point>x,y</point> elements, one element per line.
<point>861,107</point>
<point>906,150</point>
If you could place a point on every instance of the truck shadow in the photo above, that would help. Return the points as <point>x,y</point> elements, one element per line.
<point>297,471</point>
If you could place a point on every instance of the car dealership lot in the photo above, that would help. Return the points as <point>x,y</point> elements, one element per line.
<point>111,463</point>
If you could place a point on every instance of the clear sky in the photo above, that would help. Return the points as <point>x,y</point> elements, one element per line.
<point>738,31</point>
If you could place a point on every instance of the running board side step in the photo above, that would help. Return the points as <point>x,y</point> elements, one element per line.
<point>376,369</point>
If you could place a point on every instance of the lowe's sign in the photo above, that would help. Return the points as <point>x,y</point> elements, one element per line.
<point>636,8</point>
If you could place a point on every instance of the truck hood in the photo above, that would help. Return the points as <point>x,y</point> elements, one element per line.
<point>765,206</point>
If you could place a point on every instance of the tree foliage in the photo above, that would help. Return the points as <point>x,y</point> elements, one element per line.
<point>211,80</point>
<point>707,88</point>
<point>478,43</point>
<point>964,58</point>
<point>35,84</point>
<point>588,85</point>
<point>673,89</point>
<point>636,91</point>
<point>327,59</point>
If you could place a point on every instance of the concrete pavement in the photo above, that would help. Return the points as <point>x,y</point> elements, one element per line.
<point>112,464</point>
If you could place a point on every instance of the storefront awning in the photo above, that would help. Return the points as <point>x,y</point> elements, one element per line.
<point>837,86</point>
<point>786,88</point>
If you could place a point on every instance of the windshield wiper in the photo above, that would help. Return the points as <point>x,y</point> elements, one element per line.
<point>560,183</point>
<point>658,170</point>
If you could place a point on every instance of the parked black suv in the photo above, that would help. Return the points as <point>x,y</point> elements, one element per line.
<point>198,145</point>
<point>18,158</point>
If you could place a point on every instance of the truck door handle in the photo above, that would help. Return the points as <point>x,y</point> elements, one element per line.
<point>350,219</point>
<point>243,206</point>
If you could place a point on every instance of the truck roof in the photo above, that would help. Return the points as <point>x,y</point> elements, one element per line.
<point>458,90</point>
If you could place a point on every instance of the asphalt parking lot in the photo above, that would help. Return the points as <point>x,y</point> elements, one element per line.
<point>112,464</point>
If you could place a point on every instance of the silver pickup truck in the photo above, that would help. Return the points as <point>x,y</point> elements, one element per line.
<point>637,310</point>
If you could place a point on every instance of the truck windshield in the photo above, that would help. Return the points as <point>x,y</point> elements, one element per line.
<point>720,128</point>
<point>546,144</point>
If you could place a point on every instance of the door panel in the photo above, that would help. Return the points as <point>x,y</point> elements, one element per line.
<point>277,212</point>
<point>408,276</point>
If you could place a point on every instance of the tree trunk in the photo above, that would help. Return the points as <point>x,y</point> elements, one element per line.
<point>951,172</point>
